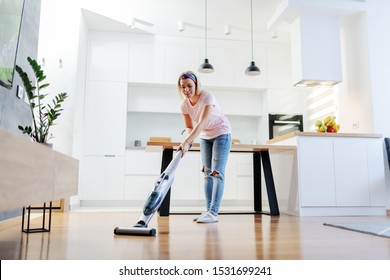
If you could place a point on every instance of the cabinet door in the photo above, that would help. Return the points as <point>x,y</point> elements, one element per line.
<point>105,118</point>
<point>103,178</point>
<point>376,172</point>
<point>316,174</point>
<point>140,162</point>
<point>142,169</point>
<point>351,172</point>
<point>251,102</point>
<point>244,173</point>
<point>230,190</point>
<point>187,184</point>
<point>138,187</point>
<point>179,59</point>
<point>151,55</point>
<point>108,61</point>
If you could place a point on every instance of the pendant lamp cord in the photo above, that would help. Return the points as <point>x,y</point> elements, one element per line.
<point>205,30</point>
<point>252,28</point>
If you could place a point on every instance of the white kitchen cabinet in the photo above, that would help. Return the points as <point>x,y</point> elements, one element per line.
<point>354,179</point>
<point>188,183</point>
<point>138,187</point>
<point>105,118</point>
<point>146,63</point>
<point>316,172</point>
<point>141,172</point>
<point>178,59</point>
<point>108,60</point>
<point>165,99</point>
<point>153,98</point>
<point>375,171</point>
<point>103,178</point>
<point>244,176</point>
<point>336,174</point>
<point>143,168</point>
<point>239,102</point>
<point>139,162</point>
<point>105,114</point>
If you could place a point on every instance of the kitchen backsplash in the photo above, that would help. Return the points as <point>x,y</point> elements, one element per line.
<point>142,126</point>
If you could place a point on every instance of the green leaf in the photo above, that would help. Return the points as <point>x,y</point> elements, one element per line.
<point>43,86</point>
<point>43,114</point>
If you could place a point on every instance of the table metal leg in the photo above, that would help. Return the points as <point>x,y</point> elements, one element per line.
<point>270,185</point>
<point>166,160</point>
<point>257,182</point>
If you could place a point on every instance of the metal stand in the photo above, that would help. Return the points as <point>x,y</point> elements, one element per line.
<point>44,228</point>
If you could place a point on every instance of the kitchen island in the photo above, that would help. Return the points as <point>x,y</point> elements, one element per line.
<point>332,174</point>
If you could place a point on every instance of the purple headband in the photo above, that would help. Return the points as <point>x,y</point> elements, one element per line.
<point>189,75</point>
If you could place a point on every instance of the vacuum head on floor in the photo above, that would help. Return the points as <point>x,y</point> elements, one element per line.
<point>134,231</point>
<point>153,202</point>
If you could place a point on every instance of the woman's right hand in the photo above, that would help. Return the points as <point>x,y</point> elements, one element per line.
<point>184,147</point>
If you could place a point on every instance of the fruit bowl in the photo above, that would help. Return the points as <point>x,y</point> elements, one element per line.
<point>328,125</point>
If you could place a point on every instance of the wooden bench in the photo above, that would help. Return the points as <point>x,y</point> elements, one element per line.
<point>32,173</point>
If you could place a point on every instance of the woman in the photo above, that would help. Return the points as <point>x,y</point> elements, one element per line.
<point>203,117</point>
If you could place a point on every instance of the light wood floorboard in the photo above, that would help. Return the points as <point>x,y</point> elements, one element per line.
<point>89,236</point>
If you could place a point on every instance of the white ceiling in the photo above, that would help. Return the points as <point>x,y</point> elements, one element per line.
<point>161,17</point>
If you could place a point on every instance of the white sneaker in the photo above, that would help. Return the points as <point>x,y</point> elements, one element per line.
<point>207,217</point>
<point>195,219</point>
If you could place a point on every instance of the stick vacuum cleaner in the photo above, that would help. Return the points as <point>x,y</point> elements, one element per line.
<point>153,202</point>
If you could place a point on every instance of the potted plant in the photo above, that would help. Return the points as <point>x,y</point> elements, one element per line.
<point>43,115</point>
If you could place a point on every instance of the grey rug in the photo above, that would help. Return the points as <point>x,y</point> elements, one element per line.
<point>375,228</point>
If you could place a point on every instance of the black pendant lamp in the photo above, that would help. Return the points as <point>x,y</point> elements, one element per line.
<point>252,69</point>
<point>206,67</point>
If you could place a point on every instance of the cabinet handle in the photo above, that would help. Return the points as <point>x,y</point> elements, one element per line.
<point>109,155</point>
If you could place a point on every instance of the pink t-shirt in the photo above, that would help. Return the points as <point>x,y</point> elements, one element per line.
<point>217,124</point>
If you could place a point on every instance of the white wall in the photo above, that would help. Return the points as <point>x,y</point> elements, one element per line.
<point>354,93</point>
<point>59,40</point>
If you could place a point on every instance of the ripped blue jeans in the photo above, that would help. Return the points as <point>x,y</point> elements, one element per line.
<point>214,153</point>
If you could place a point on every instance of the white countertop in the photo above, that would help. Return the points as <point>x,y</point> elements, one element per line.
<point>323,134</point>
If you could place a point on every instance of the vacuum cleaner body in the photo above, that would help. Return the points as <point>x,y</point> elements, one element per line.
<point>153,202</point>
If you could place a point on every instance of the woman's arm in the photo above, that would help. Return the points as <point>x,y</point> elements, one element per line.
<point>193,132</point>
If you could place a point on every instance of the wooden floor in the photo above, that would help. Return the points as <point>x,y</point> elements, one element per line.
<point>89,236</point>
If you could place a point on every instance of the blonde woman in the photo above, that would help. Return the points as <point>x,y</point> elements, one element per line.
<point>203,117</point>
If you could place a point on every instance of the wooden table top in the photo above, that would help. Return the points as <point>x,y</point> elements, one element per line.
<point>234,148</point>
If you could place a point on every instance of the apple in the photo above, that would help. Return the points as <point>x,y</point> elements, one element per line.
<point>331,129</point>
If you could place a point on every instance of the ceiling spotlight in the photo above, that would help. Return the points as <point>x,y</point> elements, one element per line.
<point>180,26</point>
<point>131,23</point>
<point>228,29</point>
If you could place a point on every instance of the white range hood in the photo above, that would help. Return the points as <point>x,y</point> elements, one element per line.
<point>315,50</point>
<point>315,38</point>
